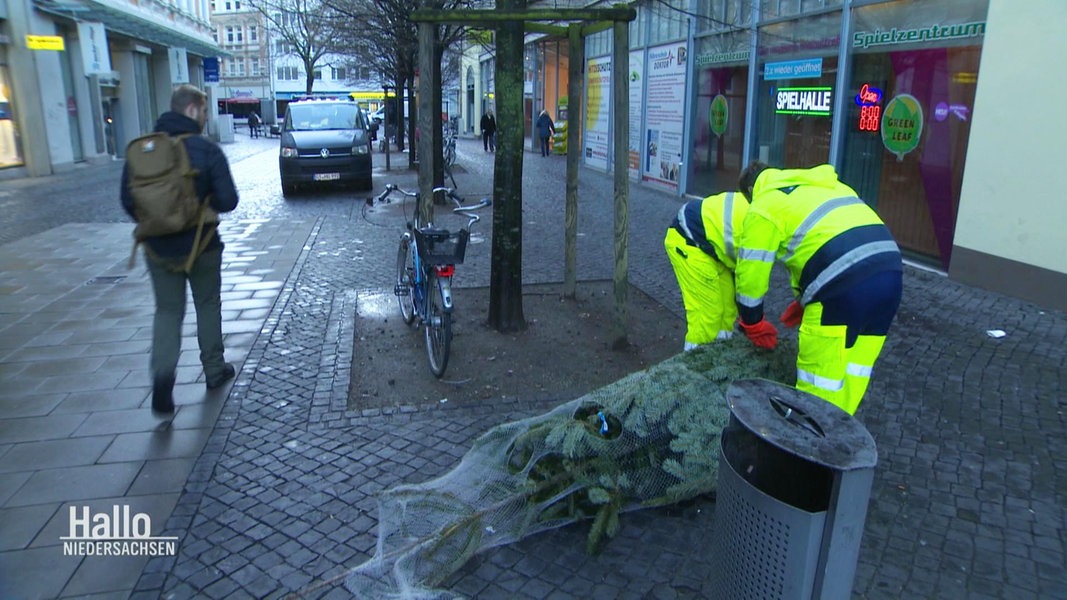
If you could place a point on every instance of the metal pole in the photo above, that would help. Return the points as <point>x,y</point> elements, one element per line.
<point>844,65</point>
<point>753,89</point>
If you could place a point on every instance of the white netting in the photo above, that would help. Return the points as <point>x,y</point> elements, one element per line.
<point>649,439</point>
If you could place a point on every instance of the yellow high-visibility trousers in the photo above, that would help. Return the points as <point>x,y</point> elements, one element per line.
<point>829,370</point>
<point>707,288</point>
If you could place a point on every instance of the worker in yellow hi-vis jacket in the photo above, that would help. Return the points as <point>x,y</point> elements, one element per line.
<point>701,246</point>
<point>844,267</point>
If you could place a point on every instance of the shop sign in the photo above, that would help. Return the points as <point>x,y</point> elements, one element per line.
<point>211,69</point>
<point>944,109</point>
<point>870,102</point>
<point>866,39</point>
<point>718,115</point>
<point>902,125</point>
<point>703,60</point>
<point>815,101</point>
<point>179,65</point>
<point>96,59</point>
<point>44,42</point>
<point>793,69</point>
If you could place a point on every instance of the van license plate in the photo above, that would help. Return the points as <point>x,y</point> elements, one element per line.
<point>326,176</point>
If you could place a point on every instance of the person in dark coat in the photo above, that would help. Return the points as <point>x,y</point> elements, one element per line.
<point>253,124</point>
<point>545,129</point>
<point>167,254</point>
<point>488,126</point>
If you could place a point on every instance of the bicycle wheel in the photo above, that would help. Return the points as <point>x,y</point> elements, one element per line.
<point>405,280</point>
<point>438,328</point>
<point>450,156</point>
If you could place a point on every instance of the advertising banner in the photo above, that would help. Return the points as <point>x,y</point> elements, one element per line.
<point>665,114</point>
<point>597,112</point>
<point>637,109</point>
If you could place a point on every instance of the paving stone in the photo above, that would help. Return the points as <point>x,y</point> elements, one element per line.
<point>969,429</point>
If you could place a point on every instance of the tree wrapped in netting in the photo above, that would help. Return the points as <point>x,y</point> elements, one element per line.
<point>649,439</point>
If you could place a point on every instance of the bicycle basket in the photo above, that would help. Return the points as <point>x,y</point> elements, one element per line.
<point>441,247</point>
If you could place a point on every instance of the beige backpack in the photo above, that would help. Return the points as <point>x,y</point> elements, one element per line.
<point>163,185</point>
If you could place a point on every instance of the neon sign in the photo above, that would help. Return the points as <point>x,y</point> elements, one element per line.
<point>804,101</point>
<point>870,102</point>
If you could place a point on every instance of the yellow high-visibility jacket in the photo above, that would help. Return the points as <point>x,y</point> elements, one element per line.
<point>827,237</point>
<point>712,224</point>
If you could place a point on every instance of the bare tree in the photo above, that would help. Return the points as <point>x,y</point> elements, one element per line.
<point>387,41</point>
<point>308,28</point>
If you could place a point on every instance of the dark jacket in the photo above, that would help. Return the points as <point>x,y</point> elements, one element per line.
<point>545,127</point>
<point>213,182</point>
<point>488,123</point>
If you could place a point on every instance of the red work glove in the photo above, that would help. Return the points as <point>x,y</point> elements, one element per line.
<point>762,333</point>
<point>792,315</point>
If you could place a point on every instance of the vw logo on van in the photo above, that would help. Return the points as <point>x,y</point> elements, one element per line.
<point>325,153</point>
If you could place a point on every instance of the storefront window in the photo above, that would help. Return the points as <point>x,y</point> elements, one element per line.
<point>798,71</point>
<point>718,135</point>
<point>668,20</point>
<point>723,16</point>
<point>772,9</point>
<point>908,163</point>
<point>10,145</point>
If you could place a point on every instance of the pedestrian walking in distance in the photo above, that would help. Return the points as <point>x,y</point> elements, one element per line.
<point>545,129</point>
<point>488,126</point>
<point>844,267</point>
<point>253,124</point>
<point>190,255</point>
<point>701,245</point>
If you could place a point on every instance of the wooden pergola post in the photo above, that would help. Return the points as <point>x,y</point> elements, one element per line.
<point>620,86</point>
<point>575,98</point>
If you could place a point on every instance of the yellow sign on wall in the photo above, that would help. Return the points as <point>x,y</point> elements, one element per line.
<point>44,42</point>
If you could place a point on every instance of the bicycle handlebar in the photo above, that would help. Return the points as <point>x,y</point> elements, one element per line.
<point>448,192</point>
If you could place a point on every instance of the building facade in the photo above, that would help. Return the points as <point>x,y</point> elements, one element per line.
<point>890,92</point>
<point>244,77</point>
<point>79,79</point>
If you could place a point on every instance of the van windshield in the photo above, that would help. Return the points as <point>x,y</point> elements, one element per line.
<point>318,117</point>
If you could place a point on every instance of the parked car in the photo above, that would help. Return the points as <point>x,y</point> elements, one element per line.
<point>324,141</point>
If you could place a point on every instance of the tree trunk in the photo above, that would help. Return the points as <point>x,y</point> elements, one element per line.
<point>438,135</point>
<point>505,278</point>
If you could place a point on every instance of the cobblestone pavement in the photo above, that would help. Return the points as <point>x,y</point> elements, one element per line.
<point>968,499</point>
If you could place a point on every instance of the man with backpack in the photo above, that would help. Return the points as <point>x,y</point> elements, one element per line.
<point>174,186</point>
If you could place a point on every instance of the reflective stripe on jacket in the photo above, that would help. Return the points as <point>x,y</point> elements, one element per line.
<point>713,225</point>
<point>826,236</point>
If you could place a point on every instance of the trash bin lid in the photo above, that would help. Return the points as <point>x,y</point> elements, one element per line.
<point>802,424</point>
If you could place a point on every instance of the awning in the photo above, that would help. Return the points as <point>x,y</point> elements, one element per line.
<point>130,24</point>
<point>241,100</point>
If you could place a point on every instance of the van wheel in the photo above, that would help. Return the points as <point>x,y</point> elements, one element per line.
<point>288,190</point>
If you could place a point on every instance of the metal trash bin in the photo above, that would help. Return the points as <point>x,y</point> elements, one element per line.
<point>795,478</point>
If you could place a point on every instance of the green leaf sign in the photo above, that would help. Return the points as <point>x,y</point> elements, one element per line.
<point>902,125</point>
<point>718,115</point>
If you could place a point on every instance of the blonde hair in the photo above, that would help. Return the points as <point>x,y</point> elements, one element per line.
<point>184,95</point>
